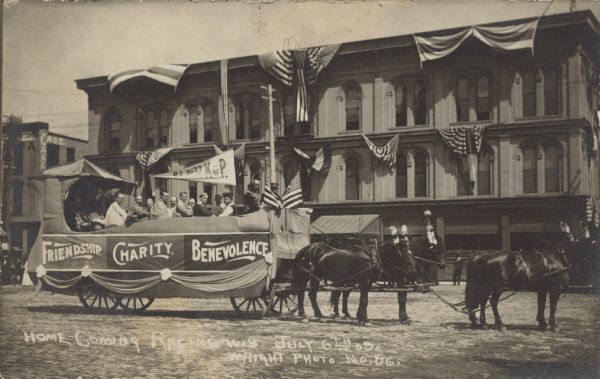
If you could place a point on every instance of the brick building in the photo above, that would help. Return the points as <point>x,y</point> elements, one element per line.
<point>538,162</point>
<point>30,148</point>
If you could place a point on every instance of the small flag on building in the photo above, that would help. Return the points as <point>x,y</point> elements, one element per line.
<point>386,153</point>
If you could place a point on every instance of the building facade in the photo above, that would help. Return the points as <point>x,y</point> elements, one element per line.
<point>30,148</point>
<point>538,162</point>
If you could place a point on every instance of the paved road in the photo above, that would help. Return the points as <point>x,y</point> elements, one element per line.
<point>51,336</point>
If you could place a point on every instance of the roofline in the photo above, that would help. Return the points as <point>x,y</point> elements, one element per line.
<point>353,47</point>
<point>67,137</point>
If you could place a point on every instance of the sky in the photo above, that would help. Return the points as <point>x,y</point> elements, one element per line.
<point>47,46</point>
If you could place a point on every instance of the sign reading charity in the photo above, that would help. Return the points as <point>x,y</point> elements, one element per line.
<point>219,169</point>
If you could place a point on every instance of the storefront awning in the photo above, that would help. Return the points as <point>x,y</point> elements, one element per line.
<point>369,224</point>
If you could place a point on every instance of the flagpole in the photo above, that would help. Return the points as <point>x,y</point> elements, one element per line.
<point>272,134</point>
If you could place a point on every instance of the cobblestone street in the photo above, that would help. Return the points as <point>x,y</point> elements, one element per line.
<point>52,336</point>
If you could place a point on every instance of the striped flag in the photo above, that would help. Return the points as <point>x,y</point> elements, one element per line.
<point>168,74</point>
<point>465,141</point>
<point>269,197</point>
<point>386,153</point>
<point>298,68</point>
<point>292,197</point>
<point>321,160</point>
<point>147,158</point>
<point>591,212</point>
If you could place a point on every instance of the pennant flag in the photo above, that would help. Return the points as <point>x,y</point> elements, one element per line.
<point>147,158</point>
<point>269,197</point>
<point>168,74</point>
<point>465,141</point>
<point>238,155</point>
<point>219,169</point>
<point>386,153</point>
<point>321,160</point>
<point>292,197</point>
<point>298,68</point>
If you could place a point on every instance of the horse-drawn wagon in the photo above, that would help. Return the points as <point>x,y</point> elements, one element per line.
<point>129,266</point>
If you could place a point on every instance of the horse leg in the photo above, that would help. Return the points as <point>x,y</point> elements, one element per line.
<point>334,301</point>
<point>299,281</point>
<point>482,303</point>
<point>345,305</point>
<point>361,314</point>
<point>554,295</point>
<point>312,295</point>
<point>494,301</point>
<point>404,319</point>
<point>541,319</point>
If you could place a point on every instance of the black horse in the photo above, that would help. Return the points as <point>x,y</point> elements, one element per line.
<point>488,275</point>
<point>317,263</point>
<point>398,267</point>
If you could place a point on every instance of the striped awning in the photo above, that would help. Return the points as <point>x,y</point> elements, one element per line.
<point>168,74</point>
<point>369,224</point>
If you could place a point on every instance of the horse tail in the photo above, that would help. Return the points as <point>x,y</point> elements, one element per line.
<point>474,278</point>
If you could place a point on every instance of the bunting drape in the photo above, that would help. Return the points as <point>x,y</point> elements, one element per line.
<point>465,141</point>
<point>504,37</point>
<point>168,74</point>
<point>386,153</point>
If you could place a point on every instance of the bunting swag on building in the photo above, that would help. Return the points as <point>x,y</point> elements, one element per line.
<point>465,141</point>
<point>168,74</point>
<point>298,68</point>
<point>269,197</point>
<point>292,197</point>
<point>500,36</point>
<point>385,153</point>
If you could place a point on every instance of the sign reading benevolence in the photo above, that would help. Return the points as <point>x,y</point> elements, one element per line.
<point>224,252</point>
<point>219,169</point>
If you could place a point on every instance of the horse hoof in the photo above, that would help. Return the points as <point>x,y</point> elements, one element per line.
<point>484,327</point>
<point>368,324</point>
<point>502,329</point>
<point>554,328</point>
<point>305,319</point>
<point>346,317</point>
<point>405,321</point>
<point>474,326</point>
<point>542,327</point>
<point>334,316</point>
<point>321,319</point>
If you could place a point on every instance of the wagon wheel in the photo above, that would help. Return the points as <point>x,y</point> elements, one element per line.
<point>285,301</point>
<point>135,303</point>
<point>94,297</point>
<point>253,306</point>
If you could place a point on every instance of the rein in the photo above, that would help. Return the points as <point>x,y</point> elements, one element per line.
<point>428,261</point>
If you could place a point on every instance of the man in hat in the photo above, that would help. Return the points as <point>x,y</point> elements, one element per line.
<point>252,197</point>
<point>219,206</point>
<point>458,267</point>
<point>115,214</point>
<point>228,207</point>
<point>138,211</point>
<point>200,209</point>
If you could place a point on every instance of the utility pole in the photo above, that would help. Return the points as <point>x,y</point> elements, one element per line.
<point>269,98</point>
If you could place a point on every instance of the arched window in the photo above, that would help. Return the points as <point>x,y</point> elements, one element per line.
<point>462,100</point>
<point>401,176</point>
<point>401,106</point>
<point>163,128</point>
<point>289,170</point>
<point>551,98</point>
<point>240,124</point>
<point>483,98</point>
<point>529,94</point>
<point>151,129</point>
<point>463,180</point>
<point>289,115</point>
<point>352,107</point>
<point>208,123</point>
<point>484,171</point>
<point>255,111</point>
<point>194,112</point>
<point>420,175</point>
<point>420,104</point>
<point>529,170</point>
<point>552,172</point>
<point>352,179</point>
<point>114,131</point>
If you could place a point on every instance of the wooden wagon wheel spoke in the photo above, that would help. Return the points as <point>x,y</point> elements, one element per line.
<point>135,303</point>
<point>95,297</point>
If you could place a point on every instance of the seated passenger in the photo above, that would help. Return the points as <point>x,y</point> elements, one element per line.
<point>161,210</point>
<point>183,209</point>
<point>138,212</point>
<point>200,209</point>
<point>228,208</point>
<point>115,214</point>
<point>219,206</point>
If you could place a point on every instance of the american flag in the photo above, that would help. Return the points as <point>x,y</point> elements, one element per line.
<point>147,158</point>
<point>591,212</point>
<point>321,160</point>
<point>168,74</point>
<point>298,68</point>
<point>386,153</point>
<point>269,197</point>
<point>292,197</point>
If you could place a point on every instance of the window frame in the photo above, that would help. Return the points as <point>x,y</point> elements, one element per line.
<point>534,170</point>
<point>355,158</point>
<point>346,89</point>
<point>113,134</point>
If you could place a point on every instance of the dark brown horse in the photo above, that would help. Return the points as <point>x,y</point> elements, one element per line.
<point>488,275</point>
<point>398,267</point>
<point>356,264</point>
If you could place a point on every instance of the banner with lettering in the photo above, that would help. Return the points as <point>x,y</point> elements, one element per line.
<point>175,251</point>
<point>219,169</point>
